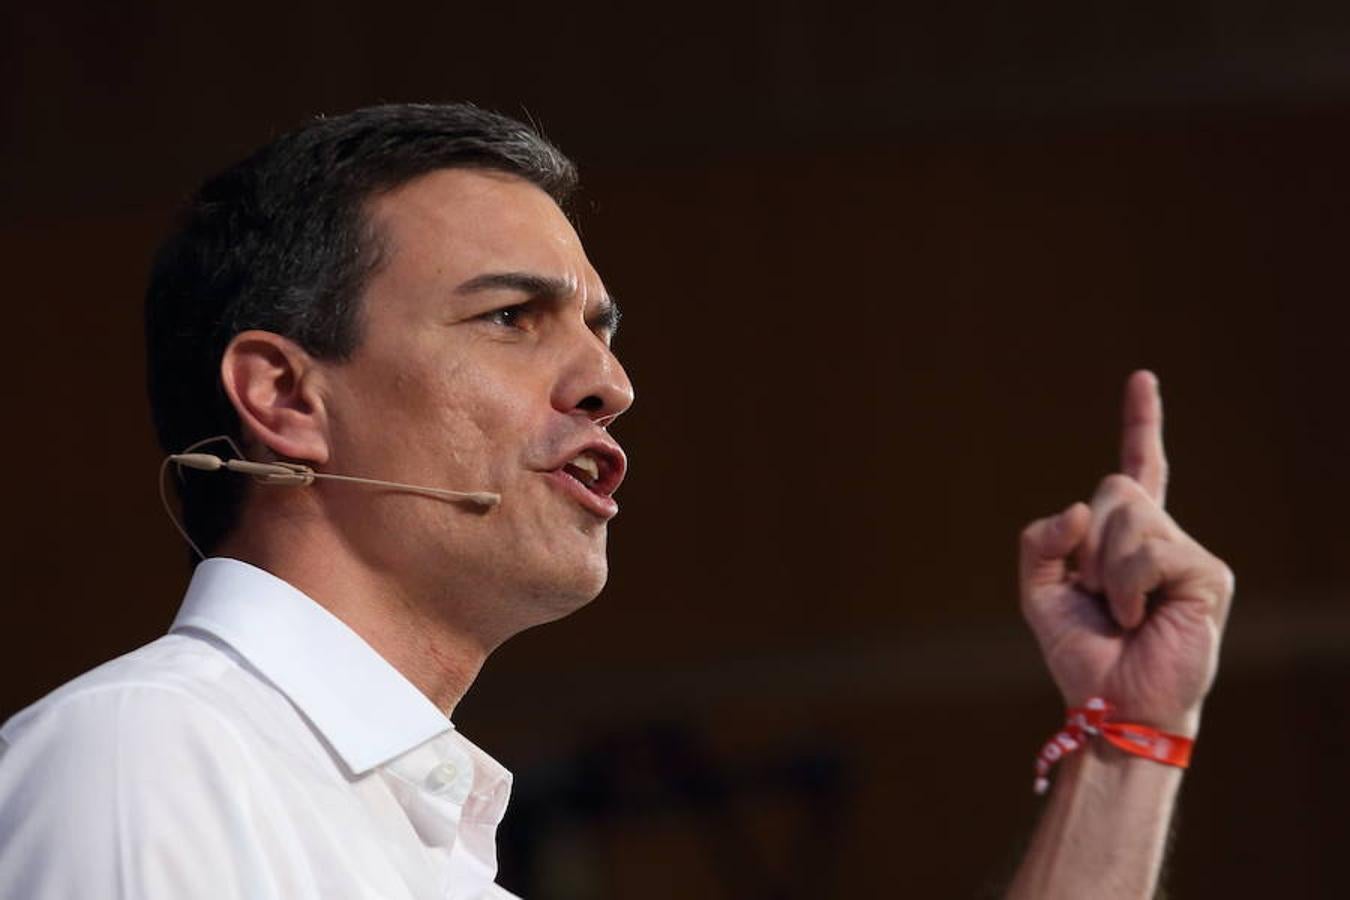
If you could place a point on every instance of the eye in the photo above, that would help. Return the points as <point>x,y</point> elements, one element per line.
<point>508,316</point>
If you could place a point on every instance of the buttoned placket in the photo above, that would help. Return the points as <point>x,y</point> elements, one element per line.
<point>432,783</point>
<point>454,801</point>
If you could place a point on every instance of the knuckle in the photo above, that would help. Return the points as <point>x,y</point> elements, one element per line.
<point>1150,556</point>
<point>1214,582</point>
<point>1129,515</point>
<point>1030,538</point>
<point>1128,524</point>
<point>1115,485</point>
<point>1225,577</point>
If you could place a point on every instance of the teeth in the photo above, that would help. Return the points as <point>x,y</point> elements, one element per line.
<point>587,465</point>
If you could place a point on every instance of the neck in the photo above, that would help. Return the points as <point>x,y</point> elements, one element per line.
<point>417,633</point>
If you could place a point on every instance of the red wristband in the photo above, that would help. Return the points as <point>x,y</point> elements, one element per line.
<point>1092,719</point>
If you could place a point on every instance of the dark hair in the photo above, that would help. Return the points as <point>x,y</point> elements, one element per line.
<point>281,242</point>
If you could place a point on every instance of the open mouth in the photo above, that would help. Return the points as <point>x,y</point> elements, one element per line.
<point>586,469</point>
<point>591,475</point>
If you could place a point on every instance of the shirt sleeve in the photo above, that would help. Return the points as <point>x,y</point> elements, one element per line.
<point>129,792</point>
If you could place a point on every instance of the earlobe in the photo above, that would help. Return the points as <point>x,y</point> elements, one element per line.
<point>272,383</point>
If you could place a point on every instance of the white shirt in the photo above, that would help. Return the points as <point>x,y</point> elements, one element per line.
<point>259,750</point>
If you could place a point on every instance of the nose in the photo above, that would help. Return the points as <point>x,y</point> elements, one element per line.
<point>594,382</point>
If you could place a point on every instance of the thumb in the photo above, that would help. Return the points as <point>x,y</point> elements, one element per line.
<point>1047,543</point>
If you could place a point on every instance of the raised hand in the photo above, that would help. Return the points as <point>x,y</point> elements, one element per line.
<point>1124,604</point>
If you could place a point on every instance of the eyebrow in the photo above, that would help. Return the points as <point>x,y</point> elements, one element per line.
<point>545,287</point>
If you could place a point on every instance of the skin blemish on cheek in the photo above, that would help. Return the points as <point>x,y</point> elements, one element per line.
<point>475,445</point>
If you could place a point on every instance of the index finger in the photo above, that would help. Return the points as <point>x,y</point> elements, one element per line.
<point>1141,442</point>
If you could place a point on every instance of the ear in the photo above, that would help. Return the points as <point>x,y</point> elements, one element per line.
<point>274,387</point>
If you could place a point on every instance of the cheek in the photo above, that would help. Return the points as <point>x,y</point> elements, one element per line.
<point>483,420</point>
<point>467,411</point>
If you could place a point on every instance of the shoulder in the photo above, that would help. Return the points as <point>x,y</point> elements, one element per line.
<point>159,704</point>
<point>173,677</point>
<point>100,776</point>
<point>160,724</point>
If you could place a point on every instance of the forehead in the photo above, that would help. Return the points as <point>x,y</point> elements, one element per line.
<point>462,222</point>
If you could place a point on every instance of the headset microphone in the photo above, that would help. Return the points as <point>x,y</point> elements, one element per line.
<point>291,474</point>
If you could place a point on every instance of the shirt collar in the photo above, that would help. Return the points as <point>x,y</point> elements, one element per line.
<point>362,706</point>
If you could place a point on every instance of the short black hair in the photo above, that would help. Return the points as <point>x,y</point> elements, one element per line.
<point>281,242</point>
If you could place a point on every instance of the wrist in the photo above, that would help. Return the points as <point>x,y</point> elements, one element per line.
<point>1105,769</point>
<point>1183,722</point>
<point>1097,724</point>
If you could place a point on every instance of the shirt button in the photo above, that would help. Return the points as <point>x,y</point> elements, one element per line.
<point>442,778</point>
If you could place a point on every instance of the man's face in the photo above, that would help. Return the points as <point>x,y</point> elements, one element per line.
<point>484,365</point>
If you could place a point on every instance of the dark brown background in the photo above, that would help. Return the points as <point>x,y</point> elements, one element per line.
<point>885,271</point>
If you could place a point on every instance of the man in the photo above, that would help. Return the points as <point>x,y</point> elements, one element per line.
<point>397,294</point>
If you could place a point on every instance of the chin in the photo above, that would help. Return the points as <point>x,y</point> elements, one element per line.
<point>568,591</point>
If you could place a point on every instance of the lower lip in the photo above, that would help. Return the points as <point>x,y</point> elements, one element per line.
<point>603,507</point>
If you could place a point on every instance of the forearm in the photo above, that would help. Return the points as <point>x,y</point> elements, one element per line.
<point>1103,833</point>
